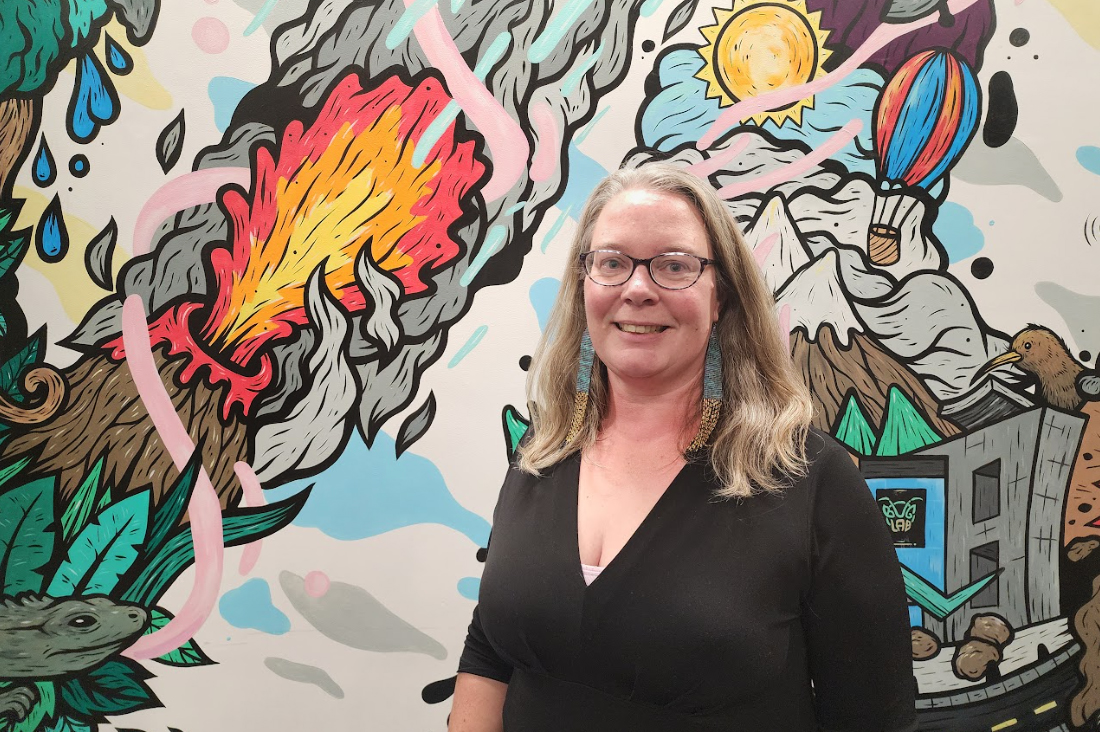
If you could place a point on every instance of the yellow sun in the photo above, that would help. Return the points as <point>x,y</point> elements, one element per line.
<point>758,46</point>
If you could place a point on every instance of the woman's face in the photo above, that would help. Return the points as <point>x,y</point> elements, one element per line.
<point>675,323</point>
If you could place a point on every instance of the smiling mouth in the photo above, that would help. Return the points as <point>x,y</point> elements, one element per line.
<point>630,328</point>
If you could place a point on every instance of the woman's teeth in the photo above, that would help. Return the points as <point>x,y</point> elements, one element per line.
<point>627,328</point>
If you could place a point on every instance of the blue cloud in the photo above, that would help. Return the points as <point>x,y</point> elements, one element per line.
<point>955,229</point>
<point>367,492</point>
<point>1089,157</point>
<point>681,112</point>
<point>250,606</point>
<point>469,587</point>
<point>542,296</point>
<point>225,94</point>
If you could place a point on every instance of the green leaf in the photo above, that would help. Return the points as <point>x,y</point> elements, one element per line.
<point>904,429</point>
<point>114,687</point>
<point>14,367</point>
<point>68,724</point>
<point>104,549</point>
<point>12,469</point>
<point>43,709</point>
<point>242,527</point>
<point>8,214</point>
<point>12,250</point>
<point>80,507</point>
<point>26,535</point>
<point>105,500</point>
<point>189,654</point>
<point>515,426</point>
<point>174,505</point>
<point>3,325</point>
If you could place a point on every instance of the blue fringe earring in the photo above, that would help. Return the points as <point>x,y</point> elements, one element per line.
<point>712,393</point>
<point>584,382</point>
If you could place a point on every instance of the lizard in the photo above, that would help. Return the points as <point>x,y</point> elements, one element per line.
<point>44,637</point>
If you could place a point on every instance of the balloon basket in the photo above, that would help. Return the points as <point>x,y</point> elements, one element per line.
<point>884,244</point>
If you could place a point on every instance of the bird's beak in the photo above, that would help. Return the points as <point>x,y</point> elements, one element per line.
<point>1010,357</point>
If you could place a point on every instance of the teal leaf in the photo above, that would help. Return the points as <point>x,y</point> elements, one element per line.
<point>3,325</point>
<point>12,250</point>
<point>515,427</point>
<point>12,469</point>
<point>114,687</point>
<point>26,535</point>
<point>68,724</point>
<point>189,654</point>
<point>853,429</point>
<point>105,500</point>
<point>933,601</point>
<point>174,505</point>
<point>79,510</point>
<point>43,709</point>
<point>241,527</point>
<point>9,213</point>
<point>104,549</point>
<point>14,367</point>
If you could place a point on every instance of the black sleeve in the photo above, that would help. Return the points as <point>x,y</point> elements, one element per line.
<point>855,616</point>
<point>479,658</point>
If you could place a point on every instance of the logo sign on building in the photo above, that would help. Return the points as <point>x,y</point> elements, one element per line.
<point>904,509</point>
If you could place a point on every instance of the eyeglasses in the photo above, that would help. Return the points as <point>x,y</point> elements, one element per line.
<point>672,271</point>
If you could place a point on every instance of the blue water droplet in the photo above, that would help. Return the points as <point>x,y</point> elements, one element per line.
<point>118,61</point>
<point>44,169</point>
<point>94,101</point>
<point>78,166</point>
<point>51,238</point>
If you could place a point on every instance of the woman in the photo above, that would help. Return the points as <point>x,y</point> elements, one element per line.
<point>675,548</point>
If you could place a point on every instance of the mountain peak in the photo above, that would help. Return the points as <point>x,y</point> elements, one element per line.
<point>773,229</point>
<point>816,296</point>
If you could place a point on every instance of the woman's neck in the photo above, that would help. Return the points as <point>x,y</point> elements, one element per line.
<point>648,415</point>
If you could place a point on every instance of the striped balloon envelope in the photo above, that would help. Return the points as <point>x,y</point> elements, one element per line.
<point>925,118</point>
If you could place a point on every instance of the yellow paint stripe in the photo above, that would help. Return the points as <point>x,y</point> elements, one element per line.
<point>1046,707</point>
<point>1003,725</point>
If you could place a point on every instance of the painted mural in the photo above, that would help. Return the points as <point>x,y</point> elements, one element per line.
<point>271,272</point>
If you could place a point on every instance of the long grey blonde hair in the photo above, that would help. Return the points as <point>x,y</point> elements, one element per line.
<point>758,444</point>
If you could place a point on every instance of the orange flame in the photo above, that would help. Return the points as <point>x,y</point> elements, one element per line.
<point>347,181</point>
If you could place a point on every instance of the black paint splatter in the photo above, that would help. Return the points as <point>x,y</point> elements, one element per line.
<point>482,553</point>
<point>1019,37</point>
<point>525,362</point>
<point>1086,356</point>
<point>438,691</point>
<point>1000,121</point>
<point>78,166</point>
<point>981,267</point>
<point>648,46</point>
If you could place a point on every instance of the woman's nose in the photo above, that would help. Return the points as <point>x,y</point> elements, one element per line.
<point>640,284</point>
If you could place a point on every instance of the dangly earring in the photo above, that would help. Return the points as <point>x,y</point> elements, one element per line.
<point>712,392</point>
<point>584,382</point>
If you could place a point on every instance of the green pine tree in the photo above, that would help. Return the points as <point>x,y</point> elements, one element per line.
<point>904,428</point>
<point>853,429</point>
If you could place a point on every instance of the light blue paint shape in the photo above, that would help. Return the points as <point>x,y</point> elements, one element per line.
<point>513,209</point>
<point>250,606</point>
<point>468,346</point>
<point>930,560</point>
<point>1089,157</point>
<point>542,296</point>
<point>439,125</point>
<point>554,229</point>
<point>435,130</point>
<point>494,240</point>
<point>456,5</point>
<point>469,587</point>
<point>371,491</point>
<point>404,25</point>
<point>955,229</point>
<point>556,29</point>
<point>573,80</point>
<point>649,7</point>
<point>681,112</point>
<point>493,54</point>
<point>580,137</point>
<point>225,93</point>
<point>260,17</point>
<point>584,174</point>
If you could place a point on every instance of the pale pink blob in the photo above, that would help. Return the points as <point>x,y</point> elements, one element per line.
<point>210,35</point>
<point>545,160</point>
<point>317,583</point>
<point>764,248</point>
<point>719,161</point>
<point>179,194</point>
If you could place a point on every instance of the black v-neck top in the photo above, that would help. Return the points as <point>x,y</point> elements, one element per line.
<point>715,615</point>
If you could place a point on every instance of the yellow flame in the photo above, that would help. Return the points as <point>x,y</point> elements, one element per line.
<point>362,186</point>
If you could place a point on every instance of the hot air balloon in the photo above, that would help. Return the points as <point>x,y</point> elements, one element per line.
<point>924,119</point>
